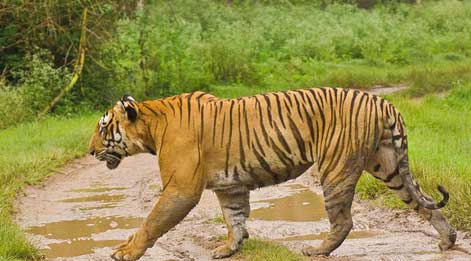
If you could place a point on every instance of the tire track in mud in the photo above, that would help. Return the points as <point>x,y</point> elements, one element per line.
<point>81,213</point>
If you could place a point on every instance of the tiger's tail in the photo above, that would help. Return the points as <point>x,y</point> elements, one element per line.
<point>400,142</point>
<point>414,190</point>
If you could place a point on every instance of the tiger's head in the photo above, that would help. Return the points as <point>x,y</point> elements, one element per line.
<point>118,133</point>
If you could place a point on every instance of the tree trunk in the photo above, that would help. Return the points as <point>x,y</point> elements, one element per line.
<point>80,60</point>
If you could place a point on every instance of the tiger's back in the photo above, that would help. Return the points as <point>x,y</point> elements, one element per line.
<point>270,138</point>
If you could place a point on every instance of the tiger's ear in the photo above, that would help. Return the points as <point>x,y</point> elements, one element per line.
<point>129,106</point>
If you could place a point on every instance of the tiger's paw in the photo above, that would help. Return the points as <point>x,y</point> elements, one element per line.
<point>448,243</point>
<point>314,251</point>
<point>128,252</point>
<point>223,251</point>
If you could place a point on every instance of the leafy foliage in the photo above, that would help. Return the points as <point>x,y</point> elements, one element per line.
<point>158,48</point>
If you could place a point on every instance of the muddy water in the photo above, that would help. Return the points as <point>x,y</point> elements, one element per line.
<point>323,235</point>
<point>76,229</point>
<point>71,238</point>
<point>77,234</point>
<point>77,247</point>
<point>96,198</point>
<point>302,206</point>
<point>104,189</point>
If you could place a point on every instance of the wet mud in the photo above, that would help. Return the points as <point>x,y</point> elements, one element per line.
<point>302,206</point>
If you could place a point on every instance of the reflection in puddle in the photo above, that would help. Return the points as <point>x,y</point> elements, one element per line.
<point>323,235</point>
<point>102,189</point>
<point>77,247</point>
<point>102,206</point>
<point>77,234</point>
<point>302,206</point>
<point>96,198</point>
<point>71,229</point>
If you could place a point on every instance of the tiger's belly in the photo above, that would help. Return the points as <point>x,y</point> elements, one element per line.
<point>253,177</point>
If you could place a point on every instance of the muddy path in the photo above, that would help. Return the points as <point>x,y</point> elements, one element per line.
<point>86,209</point>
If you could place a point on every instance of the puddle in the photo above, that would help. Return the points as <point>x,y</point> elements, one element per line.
<point>96,198</point>
<point>302,206</point>
<point>77,234</point>
<point>323,235</point>
<point>103,206</point>
<point>71,229</point>
<point>103,189</point>
<point>77,247</point>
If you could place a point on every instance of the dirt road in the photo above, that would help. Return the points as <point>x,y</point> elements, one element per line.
<point>83,212</point>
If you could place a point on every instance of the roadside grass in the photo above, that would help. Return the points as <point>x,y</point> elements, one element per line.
<point>256,249</point>
<point>31,152</point>
<point>439,136</point>
<point>422,78</point>
<point>216,220</point>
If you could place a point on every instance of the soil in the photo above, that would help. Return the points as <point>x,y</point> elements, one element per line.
<point>85,210</point>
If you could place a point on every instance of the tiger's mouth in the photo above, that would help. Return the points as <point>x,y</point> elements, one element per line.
<point>113,159</point>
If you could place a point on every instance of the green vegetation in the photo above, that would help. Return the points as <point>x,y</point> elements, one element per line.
<point>31,152</point>
<point>216,220</point>
<point>440,148</point>
<point>167,48</point>
<point>255,249</point>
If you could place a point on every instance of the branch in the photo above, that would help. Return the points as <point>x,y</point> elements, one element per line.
<point>80,60</point>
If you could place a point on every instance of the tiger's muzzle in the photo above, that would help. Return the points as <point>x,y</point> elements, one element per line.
<point>113,159</point>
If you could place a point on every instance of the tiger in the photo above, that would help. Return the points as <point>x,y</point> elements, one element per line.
<point>233,146</point>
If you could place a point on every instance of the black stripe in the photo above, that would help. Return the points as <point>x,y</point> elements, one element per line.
<point>171,107</point>
<point>287,96</point>
<point>267,100</point>
<point>262,125</point>
<point>299,139</point>
<point>309,123</point>
<point>278,104</point>
<point>265,165</point>
<point>189,107</point>
<point>202,123</point>
<point>287,161</point>
<point>223,126</point>
<point>298,107</point>
<point>215,121</point>
<point>281,138</point>
<point>246,123</point>
<point>181,109</point>
<point>258,143</point>
<point>150,109</point>
<point>228,146</point>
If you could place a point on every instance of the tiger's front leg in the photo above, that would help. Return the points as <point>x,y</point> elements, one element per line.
<point>235,207</point>
<point>168,212</point>
<point>183,186</point>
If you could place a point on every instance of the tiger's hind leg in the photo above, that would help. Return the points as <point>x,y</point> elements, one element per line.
<point>339,189</point>
<point>384,165</point>
<point>235,207</point>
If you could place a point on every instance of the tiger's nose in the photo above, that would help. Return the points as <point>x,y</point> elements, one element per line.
<point>92,152</point>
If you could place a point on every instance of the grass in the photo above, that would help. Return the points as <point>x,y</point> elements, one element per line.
<point>31,152</point>
<point>440,151</point>
<point>421,78</point>
<point>255,249</point>
<point>216,220</point>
